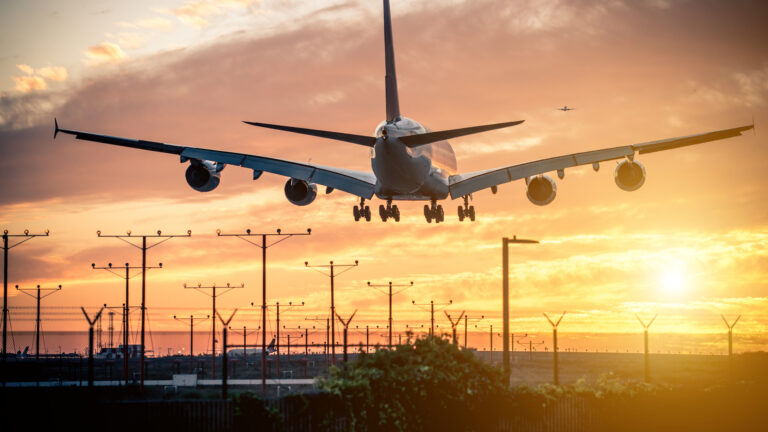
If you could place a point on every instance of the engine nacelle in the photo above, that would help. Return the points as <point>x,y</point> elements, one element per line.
<point>541,190</point>
<point>203,176</point>
<point>299,192</point>
<point>629,175</point>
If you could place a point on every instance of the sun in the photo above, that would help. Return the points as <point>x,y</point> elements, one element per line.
<point>674,280</point>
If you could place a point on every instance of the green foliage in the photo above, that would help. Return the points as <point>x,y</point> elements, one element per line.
<point>252,413</point>
<point>426,385</point>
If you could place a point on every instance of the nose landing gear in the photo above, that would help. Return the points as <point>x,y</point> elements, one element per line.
<point>389,212</point>
<point>434,212</point>
<point>467,211</point>
<point>362,211</point>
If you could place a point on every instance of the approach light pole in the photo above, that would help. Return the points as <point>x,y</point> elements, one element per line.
<point>224,325</point>
<point>390,285</point>
<point>454,324</point>
<point>431,310</point>
<point>277,338</point>
<point>37,321</point>
<point>126,305</point>
<point>646,366</point>
<point>26,237</point>
<point>161,238</point>
<point>730,343</point>
<point>227,288</point>
<point>192,319</point>
<point>346,329</point>
<point>505,242</point>
<point>466,324</point>
<point>332,275</point>
<point>264,246</point>
<point>554,345</point>
<point>90,342</point>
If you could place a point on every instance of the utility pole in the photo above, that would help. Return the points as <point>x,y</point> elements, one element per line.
<point>646,362</point>
<point>531,343</point>
<point>390,285</point>
<point>126,306</point>
<point>331,266</point>
<point>306,337</point>
<point>346,328</point>
<point>327,333</point>
<point>162,238</point>
<point>227,288</point>
<point>224,325</point>
<point>27,236</point>
<point>245,334</point>
<point>453,325</point>
<point>264,246</point>
<point>512,341</point>
<point>111,328</point>
<point>730,343</point>
<point>505,297</point>
<point>554,344</point>
<point>490,335</point>
<point>192,319</point>
<point>39,297</point>
<point>431,309</point>
<point>466,322</point>
<point>90,343</point>
<point>277,347</point>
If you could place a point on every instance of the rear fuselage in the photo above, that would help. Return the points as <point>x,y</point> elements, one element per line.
<point>402,173</point>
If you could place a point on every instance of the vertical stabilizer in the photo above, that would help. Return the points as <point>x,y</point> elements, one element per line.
<point>390,80</point>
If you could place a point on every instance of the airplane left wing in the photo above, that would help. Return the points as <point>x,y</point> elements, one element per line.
<point>357,183</point>
<point>465,184</point>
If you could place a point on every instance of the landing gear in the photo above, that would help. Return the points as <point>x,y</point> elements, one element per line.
<point>389,212</point>
<point>434,212</point>
<point>362,211</point>
<point>467,211</point>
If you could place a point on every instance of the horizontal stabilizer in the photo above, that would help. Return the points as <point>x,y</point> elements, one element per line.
<point>338,136</point>
<point>430,137</point>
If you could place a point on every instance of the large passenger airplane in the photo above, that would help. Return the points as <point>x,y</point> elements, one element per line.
<point>409,161</point>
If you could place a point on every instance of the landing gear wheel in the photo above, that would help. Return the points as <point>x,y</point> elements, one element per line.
<point>472,213</point>
<point>427,213</point>
<point>383,212</point>
<point>396,213</point>
<point>440,215</point>
<point>461,214</point>
<point>367,212</point>
<point>356,213</point>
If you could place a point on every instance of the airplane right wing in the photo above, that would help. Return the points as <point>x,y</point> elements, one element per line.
<point>357,183</point>
<point>465,184</point>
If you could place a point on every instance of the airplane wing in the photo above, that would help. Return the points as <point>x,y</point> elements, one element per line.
<point>465,184</point>
<point>357,183</point>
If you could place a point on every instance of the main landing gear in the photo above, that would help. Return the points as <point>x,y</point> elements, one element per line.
<point>390,211</point>
<point>364,211</point>
<point>435,211</point>
<point>467,211</point>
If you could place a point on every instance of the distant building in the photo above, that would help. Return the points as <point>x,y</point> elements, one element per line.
<point>117,353</point>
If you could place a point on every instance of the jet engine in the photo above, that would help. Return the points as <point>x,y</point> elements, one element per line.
<point>629,175</point>
<point>299,192</point>
<point>203,175</point>
<point>541,190</point>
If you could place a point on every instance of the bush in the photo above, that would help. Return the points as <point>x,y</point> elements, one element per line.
<point>426,385</point>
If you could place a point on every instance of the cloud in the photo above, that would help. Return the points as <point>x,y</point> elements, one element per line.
<point>105,52</point>
<point>155,23</point>
<point>53,73</point>
<point>27,69</point>
<point>25,84</point>
<point>196,13</point>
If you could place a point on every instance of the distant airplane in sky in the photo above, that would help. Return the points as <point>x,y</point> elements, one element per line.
<point>409,162</point>
<point>566,108</point>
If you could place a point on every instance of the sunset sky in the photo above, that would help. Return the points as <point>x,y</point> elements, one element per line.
<point>690,245</point>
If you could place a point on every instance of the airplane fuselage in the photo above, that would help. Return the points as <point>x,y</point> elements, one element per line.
<point>403,173</point>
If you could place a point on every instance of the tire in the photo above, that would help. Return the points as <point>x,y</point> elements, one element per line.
<point>396,212</point>
<point>472,213</point>
<point>356,213</point>
<point>382,213</point>
<point>367,213</point>
<point>461,214</point>
<point>440,214</point>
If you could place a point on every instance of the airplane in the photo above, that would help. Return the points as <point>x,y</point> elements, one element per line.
<point>565,108</point>
<point>237,350</point>
<point>409,162</point>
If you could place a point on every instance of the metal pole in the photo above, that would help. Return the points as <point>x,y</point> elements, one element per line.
<point>390,315</point>
<point>191,344</point>
<point>554,349</point>
<point>224,363</point>
<point>90,356</point>
<point>345,344</point>
<point>245,354</point>
<point>367,341</point>
<point>37,327</point>
<point>466,319</point>
<point>278,340</point>
<point>491,343</point>
<point>5,299</point>
<point>213,336</point>
<point>333,325</point>
<point>432,318</point>
<point>264,314</point>
<point>288,348</point>
<point>646,367</point>
<point>306,342</point>
<point>143,305</point>
<point>125,325</point>
<point>505,305</point>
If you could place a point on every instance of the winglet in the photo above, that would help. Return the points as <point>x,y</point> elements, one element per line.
<point>56,127</point>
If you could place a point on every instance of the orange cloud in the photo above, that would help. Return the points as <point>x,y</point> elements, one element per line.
<point>27,69</point>
<point>26,84</point>
<point>105,52</point>
<point>53,73</point>
<point>196,13</point>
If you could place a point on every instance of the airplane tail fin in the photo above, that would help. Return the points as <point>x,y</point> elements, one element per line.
<point>390,79</point>
<point>271,346</point>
